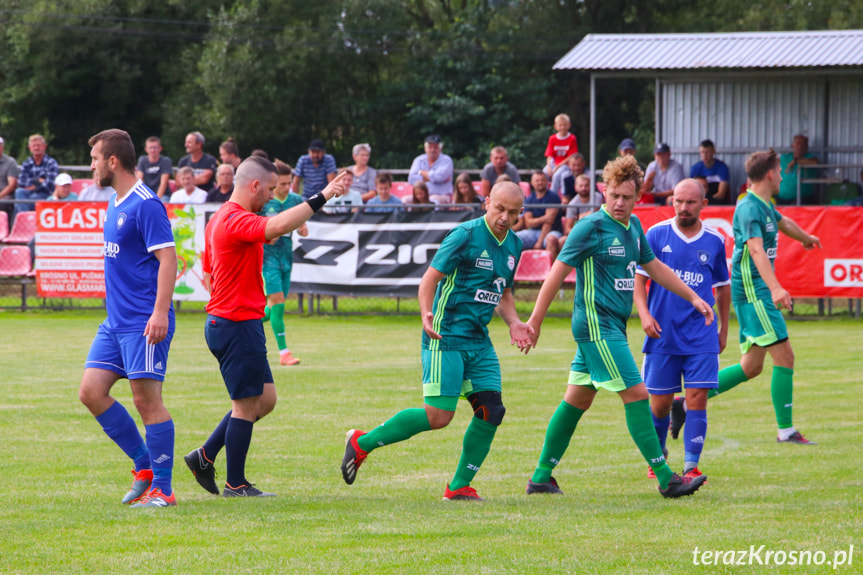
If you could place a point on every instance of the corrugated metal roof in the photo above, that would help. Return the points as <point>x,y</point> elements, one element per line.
<point>710,51</point>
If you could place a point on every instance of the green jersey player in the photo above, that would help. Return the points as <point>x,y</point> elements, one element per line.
<point>605,248</point>
<point>469,277</point>
<point>757,295</point>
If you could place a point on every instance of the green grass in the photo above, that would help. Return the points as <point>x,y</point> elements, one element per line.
<point>63,479</point>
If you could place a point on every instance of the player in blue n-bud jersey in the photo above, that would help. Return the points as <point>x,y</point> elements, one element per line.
<point>678,342</point>
<point>133,342</point>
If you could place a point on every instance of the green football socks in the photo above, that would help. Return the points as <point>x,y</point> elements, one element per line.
<point>557,437</point>
<point>277,320</point>
<point>782,392</point>
<point>476,444</point>
<point>403,425</point>
<point>640,424</point>
<point>729,378</point>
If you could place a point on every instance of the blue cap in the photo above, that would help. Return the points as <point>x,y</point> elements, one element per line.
<point>626,144</point>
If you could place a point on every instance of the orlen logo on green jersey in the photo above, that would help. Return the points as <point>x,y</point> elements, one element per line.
<point>484,296</point>
<point>626,284</point>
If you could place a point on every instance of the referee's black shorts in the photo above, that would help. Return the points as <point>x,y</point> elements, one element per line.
<point>241,348</point>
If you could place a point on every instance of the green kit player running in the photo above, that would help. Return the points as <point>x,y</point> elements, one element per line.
<point>757,295</point>
<point>470,276</point>
<point>278,260</point>
<point>606,248</point>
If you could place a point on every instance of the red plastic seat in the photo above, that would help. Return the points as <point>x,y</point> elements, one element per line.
<point>79,185</point>
<point>533,266</point>
<point>14,261</point>
<point>477,186</point>
<point>23,230</point>
<point>402,189</point>
<point>525,187</point>
<point>4,224</point>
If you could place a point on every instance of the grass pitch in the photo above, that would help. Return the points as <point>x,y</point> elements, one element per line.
<point>63,478</point>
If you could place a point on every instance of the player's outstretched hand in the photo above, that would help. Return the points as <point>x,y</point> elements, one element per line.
<point>781,298</point>
<point>704,309</point>
<point>157,328</point>
<point>428,318</point>
<point>811,242</point>
<point>534,334</point>
<point>336,188</point>
<point>651,326</point>
<point>520,335</point>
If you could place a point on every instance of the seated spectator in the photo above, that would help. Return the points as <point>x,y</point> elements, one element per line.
<point>582,205</point>
<point>420,196</point>
<point>188,193</point>
<point>229,153</point>
<point>713,175</point>
<point>464,192</point>
<point>38,172</point>
<point>561,144</point>
<point>662,175</point>
<point>203,164</point>
<point>384,197</point>
<point>563,180</point>
<point>347,203</point>
<point>63,189</point>
<point>314,170</point>
<point>788,163</point>
<point>153,168</point>
<point>626,147</point>
<point>224,185</point>
<point>96,193</point>
<point>8,179</point>
<point>542,227</point>
<point>435,169</point>
<point>364,175</point>
<point>498,166</point>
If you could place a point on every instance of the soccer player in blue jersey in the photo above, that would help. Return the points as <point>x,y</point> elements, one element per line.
<point>678,343</point>
<point>133,342</point>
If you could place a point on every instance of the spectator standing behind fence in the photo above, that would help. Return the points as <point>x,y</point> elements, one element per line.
<point>224,185</point>
<point>315,170</point>
<point>662,175</point>
<point>384,184</point>
<point>563,180</point>
<point>712,174</point>
<point>229,153</point>
<point>799,156</point>
<point>561,144</point>
<point>542,227</point>
<point>435,169</point>
<point>464,192</point>
<point>203,163</point>
<point>188,193</point>
<point>8,178</point>
<point>63,189</point>
<point>364,175</point>
<point>154,168</point>
<point>36,180</point>
<point>498,166</point>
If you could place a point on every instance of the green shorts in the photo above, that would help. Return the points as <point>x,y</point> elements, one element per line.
<point>761,324</point>
<point>276,280</point>
<point>460,373</point>
<point>604,363</point>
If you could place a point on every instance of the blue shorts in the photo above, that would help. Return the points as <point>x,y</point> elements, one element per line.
<point>662,371</point>
<point>128,354</point>
<point>241,348</point>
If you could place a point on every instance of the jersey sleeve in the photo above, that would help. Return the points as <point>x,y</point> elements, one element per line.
<point>720,266</point>
<point>154,225</point>
<point>246,227</point>
<point>549,149</point>
<point>580,244</point>
<point>749,223</point>
<point>652,236</point>
<point>451,251</point>
<point>205,257</point>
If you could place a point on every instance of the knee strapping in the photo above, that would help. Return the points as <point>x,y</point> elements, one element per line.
<point>487,405</point>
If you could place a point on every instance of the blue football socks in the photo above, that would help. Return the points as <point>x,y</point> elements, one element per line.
<point>160,442</point>
<point>694,434</point>
<point>121,428</point>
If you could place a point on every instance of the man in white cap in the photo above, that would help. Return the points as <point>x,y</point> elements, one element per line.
<point>63,189</point>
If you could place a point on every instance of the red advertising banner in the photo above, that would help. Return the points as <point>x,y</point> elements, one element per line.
<point>835,270</point>
<point>69,261</point>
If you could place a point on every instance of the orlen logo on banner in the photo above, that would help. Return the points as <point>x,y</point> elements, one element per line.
<point>843,273</point>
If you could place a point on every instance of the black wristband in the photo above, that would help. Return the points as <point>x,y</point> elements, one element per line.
<point>316,202</point>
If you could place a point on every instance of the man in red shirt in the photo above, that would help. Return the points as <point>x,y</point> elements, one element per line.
<point>233,256</point>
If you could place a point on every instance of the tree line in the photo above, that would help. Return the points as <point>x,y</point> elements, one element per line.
<point>276,74</point>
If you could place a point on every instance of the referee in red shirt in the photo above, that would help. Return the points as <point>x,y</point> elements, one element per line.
<point>233,256</point>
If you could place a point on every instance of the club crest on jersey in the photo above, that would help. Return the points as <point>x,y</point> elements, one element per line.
<point>703,257</point>
<point>121,219</point>
<point>485,264</point>
<point>510,262</point>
